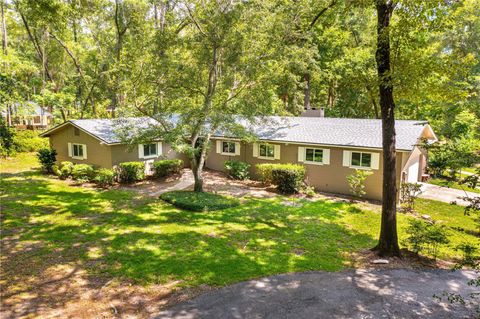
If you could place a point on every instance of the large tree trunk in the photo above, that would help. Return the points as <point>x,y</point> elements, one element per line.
<point>388,241</point>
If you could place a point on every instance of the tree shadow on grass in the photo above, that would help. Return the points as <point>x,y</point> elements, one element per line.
<point>118,234</point>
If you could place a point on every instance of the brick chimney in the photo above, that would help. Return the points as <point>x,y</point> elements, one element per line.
<point>313,112</point>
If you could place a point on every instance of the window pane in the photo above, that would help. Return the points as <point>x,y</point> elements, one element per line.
<point>80,150</point>
<point>309,155</point>
<point>355,159</point>
<point>75,150</point>
<point>149,149</point>
<point>366,159</point>
<point>225,147</point>
<point>318,156</point>
<point>263,150</point>
<point>231,148</point>
<point>270,151</point>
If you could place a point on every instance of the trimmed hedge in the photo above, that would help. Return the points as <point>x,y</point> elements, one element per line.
<point>166,167</point>
<point>129,172</point>
<point>104,177</point>
<point>83,172</point>
<point>199,201</point>
<point>237,169</point>
<point>288,178</point>
<point>265,172</point>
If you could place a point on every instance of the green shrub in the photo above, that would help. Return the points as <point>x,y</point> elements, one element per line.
<point>425,237</point>
<point>265,172</point>
<point>356,181</point>
<point>104,177</point>
<point>237,169</point>
<point>7,137</point>
<point>130,172</point>
<point>288,178</point>
<point>29,141</point>
<point>166,167</point>
<point>83,172</point>
<point>47,158</point>
<point>408,194</point>
<point>199,201</point>
<point>65,169</point>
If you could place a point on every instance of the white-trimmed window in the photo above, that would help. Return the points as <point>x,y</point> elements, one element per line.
<point>365,160</point>
<point>312,155</point>
<point>266,150</point>
<point>149,150</point>
<point>228,147</point>
<point>77,151</point>
<point>360,159</point>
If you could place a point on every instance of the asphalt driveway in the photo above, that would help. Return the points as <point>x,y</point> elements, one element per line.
<point>390,293</point>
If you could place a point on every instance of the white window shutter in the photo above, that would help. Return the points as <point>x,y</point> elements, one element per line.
<point>70,152</point>
<point>276,151</point>
<point>326,156</point>
<point>237,148</point>
<point>84,151</point>
<point>301,154</point>
<point>219,146</point>
<point>140,150</point>
<point>159,148</point>
<point>255,149</point>
<point>375,160</point>
<point>347,158</point>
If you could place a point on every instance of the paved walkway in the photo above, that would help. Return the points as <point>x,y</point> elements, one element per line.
<point>445,194</point>
<point>393,293</point>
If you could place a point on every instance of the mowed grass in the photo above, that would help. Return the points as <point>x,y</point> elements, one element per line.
<point>119,234</point>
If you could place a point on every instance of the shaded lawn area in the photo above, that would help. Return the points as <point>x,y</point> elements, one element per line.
<point>120,234</point>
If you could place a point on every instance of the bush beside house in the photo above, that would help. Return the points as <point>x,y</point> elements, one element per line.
<point>237,169</point>
<point>289,178</point>
<point>130,172</point>
<point>104,177</point>
<point>166,167</point>
<point>83,172</point>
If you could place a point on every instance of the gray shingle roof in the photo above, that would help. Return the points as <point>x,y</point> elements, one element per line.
<point>337,131</point>
<point>309,130</point>
<point>105,129</point>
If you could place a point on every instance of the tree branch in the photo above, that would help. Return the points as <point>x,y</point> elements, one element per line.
<point>320,13</point>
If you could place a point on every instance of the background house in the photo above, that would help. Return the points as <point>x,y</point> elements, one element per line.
<point>28,115</point>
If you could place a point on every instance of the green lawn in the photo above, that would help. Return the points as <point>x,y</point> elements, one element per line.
<point>119,234</point>
<point>451,184</point>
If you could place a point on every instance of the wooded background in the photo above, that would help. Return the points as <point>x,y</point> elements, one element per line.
<point>100,58</point>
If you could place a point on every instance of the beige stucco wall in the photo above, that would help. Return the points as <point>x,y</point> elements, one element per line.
<point>327,178</point>
<point>97,154</point>
<point>122,153</point>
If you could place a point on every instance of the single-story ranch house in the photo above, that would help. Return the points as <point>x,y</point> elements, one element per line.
<point>330,148</point>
